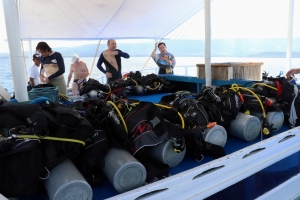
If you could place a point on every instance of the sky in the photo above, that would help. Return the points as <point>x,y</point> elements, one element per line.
<point>244,19</point>
<point>229,19</point>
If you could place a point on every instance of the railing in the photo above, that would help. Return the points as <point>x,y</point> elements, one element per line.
<point>178,70</point>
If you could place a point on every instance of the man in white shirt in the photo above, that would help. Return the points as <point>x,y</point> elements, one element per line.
<point>34,74</point>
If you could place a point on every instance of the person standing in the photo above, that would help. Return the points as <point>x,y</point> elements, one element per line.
<point>164,60</point>
<point>80,71</point>
<point>52,68</point>
<point>34,74</point>
<point>112,61</point>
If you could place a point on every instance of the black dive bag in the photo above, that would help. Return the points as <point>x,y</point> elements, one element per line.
<point>24,161</point>
<point>20,167</point>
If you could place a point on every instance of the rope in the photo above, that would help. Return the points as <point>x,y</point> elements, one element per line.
<point>146,62</point>
<point>94,59</point>
<point>188,26</point>
<point>151,54</point>
<point>175,39</point>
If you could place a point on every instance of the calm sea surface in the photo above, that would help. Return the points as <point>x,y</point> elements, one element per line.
<point>271,65</point>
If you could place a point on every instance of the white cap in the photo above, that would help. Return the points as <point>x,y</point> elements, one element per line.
<point>74,58</point>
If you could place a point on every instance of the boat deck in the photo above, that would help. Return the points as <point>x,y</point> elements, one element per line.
<point>233,144</point>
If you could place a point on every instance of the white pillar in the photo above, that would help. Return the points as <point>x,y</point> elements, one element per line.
<point>15,49</point>
<point>289,36</point>
<point>207,42</point>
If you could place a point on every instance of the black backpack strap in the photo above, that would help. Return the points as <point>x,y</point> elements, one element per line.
<point>155,169</point>
<point>60,159</point>
<point>40,123</point>
<point>212,150</point>
<point>194,146</point>
<point>50,151</point>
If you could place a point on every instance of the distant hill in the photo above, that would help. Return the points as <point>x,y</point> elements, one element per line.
<point>273,47</point>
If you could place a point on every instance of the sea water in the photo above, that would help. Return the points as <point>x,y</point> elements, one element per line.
<point>184,66</point>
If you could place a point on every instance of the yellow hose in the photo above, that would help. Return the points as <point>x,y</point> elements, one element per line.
<point>63,96</point>
<point>261,105</point>
<point>109,89</point>
<point>50,138</point>
<point>263,84</point>
<point>182,121</point>
<point>120,115</point>
<point>164,106</point>
<point>264,130</point>
<point>136,84</point>
<point>156,86</point>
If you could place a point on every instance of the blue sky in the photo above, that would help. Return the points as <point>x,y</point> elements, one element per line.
<point>230,19</point>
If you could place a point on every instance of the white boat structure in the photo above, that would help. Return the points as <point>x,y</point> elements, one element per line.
<point>239,171</point>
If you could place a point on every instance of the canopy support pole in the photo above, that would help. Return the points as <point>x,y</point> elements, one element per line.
<point>289,36</point>
<point>207,42</point>
<point>15,49</point>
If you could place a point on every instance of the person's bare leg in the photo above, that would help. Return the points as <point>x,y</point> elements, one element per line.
<point>74,89</point>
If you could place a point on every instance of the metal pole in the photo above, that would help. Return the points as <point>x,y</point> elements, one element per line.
<point>207,42</point>
<point>289,36</point>
<point>15,49</point>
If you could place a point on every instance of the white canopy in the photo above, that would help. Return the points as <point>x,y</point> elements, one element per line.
<point>103,19</point>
